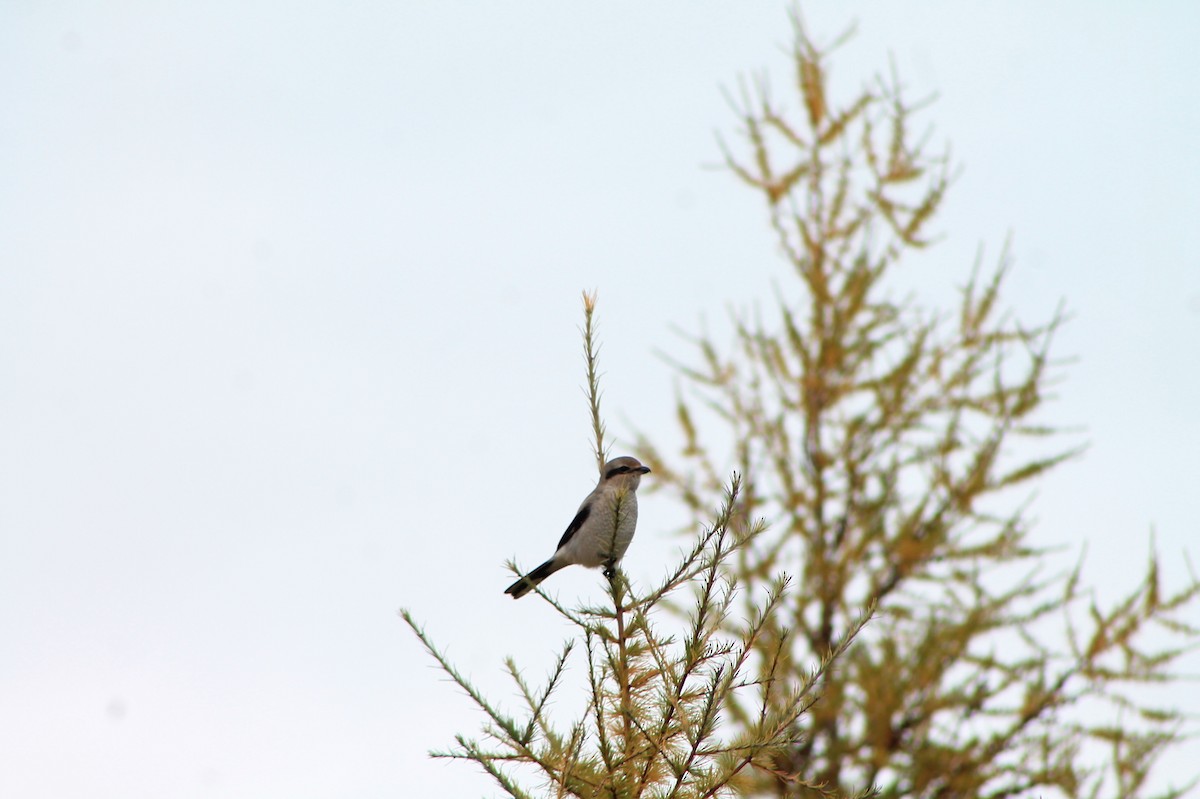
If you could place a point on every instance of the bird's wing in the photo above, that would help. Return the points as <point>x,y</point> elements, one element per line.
<point>575,524</point>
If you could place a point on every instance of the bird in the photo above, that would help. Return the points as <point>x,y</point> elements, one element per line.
<point>601,530</point>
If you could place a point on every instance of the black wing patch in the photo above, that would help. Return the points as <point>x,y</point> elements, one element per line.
<point>575,524</point>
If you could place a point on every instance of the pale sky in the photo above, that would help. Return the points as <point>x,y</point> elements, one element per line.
<point>288,310</point>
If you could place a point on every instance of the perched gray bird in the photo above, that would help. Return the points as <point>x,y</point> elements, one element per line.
<point>601,530</point>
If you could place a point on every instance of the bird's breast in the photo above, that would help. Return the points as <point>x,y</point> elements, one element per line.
<point>608,530</point>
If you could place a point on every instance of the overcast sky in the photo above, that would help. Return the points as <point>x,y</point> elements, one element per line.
<point>288,310</point>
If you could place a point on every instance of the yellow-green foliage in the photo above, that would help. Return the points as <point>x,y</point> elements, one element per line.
<point>882,442</point>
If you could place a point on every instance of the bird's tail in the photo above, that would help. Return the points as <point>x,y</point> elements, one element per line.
<point>524,585</point>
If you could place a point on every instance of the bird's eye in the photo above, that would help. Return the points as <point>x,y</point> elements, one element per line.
<point>623,469</point>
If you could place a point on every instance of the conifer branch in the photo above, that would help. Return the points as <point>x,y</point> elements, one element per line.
<point>591,352</point>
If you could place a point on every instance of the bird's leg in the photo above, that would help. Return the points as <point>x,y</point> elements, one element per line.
<point>610,569</point>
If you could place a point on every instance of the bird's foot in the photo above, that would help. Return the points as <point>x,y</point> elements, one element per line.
<point>610,570</point>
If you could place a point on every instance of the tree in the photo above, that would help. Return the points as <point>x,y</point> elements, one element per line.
<point>657,690</point>
<point>888,446</point>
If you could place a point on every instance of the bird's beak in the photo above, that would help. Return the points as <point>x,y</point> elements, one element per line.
<point>644,470</point>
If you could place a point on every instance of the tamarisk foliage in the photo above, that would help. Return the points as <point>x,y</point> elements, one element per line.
<point>884,442</point>
<point>657,690</point>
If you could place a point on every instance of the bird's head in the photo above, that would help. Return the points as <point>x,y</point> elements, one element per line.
<point>624,471</point>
